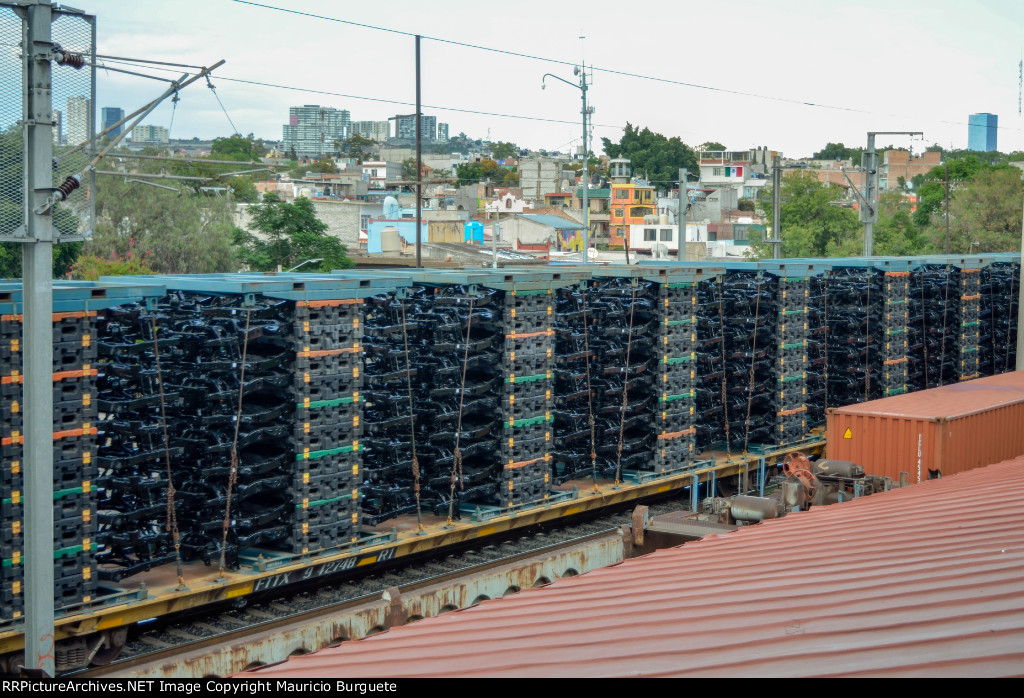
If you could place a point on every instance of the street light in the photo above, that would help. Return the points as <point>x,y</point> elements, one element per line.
<point>582,87</point>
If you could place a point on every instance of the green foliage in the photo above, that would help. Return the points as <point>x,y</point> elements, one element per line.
<point>290,234</point>
<point>409,169</point>
<point>652,156</point>
<point>711,145</point>
<point>65,222</point>
<point>812,225</point>
<point>356,146</point>
<point>237,147</point>
<point>473,172</point>
<point>176,233</point>
<point>502,150</point>
<point>745,205</point>
<point>985,213</point>
<point>837,151</point>
<point>91,267</point>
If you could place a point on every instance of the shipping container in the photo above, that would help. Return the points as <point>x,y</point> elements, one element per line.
<point>933,433</point>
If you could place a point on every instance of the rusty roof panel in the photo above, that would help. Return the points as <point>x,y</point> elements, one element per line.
<point>949,401</point>
<point>921,581</point>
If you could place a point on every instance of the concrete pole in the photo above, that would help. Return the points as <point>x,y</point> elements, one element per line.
<point>586,168</point>
<point>776,209</point>
<point>37,340</point>
<point>1020,305</point>
<point>419,162</point>
<point>684,199</point>
<point>870,172</point>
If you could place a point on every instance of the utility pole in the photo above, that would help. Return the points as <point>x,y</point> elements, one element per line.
<point>581,71</point>
<point>947,208</point>
<point>419,162</point>
<point>37,338</point>
<point>1020,304</point>
<point>586,169</point>
<point>776,209</point>
<point>869,168</point>
<point>684,200</point>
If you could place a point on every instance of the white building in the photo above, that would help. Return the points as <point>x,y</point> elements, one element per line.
<point>79,120</point>
<point>150,134</point>
<point>644,236</point>
<point>377,173</point>
<point>745,171</point>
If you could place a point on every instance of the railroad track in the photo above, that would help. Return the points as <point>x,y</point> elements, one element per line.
<point>161,643</point>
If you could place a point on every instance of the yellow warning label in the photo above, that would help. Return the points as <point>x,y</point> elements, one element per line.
<point>848,434</point>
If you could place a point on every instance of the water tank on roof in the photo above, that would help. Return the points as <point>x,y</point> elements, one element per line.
<point>390,241</point>
<point>651,218</point>
<point>663,218</point>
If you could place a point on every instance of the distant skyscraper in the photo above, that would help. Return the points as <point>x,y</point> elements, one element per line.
<point>79,119</point>
<point>58,127</point>
<point>406,127</point>
<point>442,132</point>
<point>110,116</point>
<point>374,130</point>
<point>982,130</point>
<point>311,129</point>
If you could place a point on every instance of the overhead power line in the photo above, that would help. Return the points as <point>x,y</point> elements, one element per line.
<point>393,101</point>
<point>610,71</point>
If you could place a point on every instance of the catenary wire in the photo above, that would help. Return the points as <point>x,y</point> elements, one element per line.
<point>610,71</point>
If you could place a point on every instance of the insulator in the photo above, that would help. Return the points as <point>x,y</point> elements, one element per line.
<point>69,185</point>
<point>75,60</point>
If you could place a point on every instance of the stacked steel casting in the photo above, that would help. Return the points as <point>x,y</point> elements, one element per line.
<point>624,394</point>
<point>492,375</point>
<point>74,465</point>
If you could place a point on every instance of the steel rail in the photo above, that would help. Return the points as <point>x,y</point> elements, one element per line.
<point>329,609</point>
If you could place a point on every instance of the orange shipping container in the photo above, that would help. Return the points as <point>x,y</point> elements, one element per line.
<point>934,432</point>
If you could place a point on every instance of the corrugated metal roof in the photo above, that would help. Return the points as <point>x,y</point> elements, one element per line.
<point>922,581</point>
<point>949,400</point>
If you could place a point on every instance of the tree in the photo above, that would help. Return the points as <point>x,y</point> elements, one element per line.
<point>834,151</point>
<point>473,172</point>
<point>711,145</point>
<point>409,169</point>
<point>502,150</point>
<point>356,146</point>
<point>173,232</point>
<point>652,155</point>
<point>812,225</point>
<point>237,147</point>
<point>289,235</point>
<point>984,213</point>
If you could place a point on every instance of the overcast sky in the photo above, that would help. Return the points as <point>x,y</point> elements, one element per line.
<point>921,65</point>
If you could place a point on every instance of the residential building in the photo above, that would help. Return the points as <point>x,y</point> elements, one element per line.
<point>900,163</point>
<point>312,130</point>
<point>80,125</point>
<point>58,127</point>
<point>442,132</point>
<point>538,176</point>
<point>542,232</point>
<point>150,134</point>
<point>644,237</point>
<point>598,201</point>
<point>746,171</point>
<point>109,117</point>
<point>405,126</point>
<point>982,130</point>
<point>378,131</point>
<point>379,172</point>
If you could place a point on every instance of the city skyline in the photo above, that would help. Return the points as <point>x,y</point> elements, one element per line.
<point>785,76</point>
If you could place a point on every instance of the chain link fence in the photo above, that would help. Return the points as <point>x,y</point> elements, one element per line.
<point>73,112</point>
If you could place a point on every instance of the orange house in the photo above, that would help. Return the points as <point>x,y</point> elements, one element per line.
<point>630,202</point>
